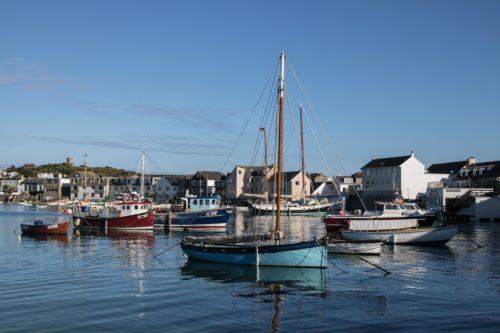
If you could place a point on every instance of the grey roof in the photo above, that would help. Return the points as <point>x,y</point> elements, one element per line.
<point>386,162</point>
<point>450,167</point>
<point>490,170</point>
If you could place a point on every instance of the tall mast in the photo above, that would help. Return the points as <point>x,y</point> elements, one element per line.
<point>281,97</point>
<point>142,174</point>
<point>85,177</point>
<point>266,181</point>
<point>302,154</point>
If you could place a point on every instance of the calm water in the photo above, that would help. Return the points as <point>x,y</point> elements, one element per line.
<point>142,282</point>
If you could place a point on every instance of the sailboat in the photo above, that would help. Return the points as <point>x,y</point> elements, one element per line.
<point>270,249</point>
<point>302,206</point>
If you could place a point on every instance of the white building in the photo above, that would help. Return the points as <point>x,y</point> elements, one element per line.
<point>164,190</point>
<point>386,178</point>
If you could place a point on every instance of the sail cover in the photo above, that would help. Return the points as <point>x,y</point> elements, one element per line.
<point>381,224</point>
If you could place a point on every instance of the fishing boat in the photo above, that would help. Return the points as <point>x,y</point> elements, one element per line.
<point>387,215</point>
<point>339,246</point>
<point>272,249</point>
<point>201,213</point>
<point>39,227</point>
<point>437,235</point>
<point>129,212</point>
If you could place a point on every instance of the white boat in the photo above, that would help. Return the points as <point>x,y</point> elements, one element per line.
<point>311,206</point>
<point>439,235</point>
<point>346,247</point>
<point>387,216</point>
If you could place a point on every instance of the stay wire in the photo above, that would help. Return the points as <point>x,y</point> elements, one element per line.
<point>245,125</point>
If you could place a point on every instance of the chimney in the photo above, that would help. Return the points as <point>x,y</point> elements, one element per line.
<point>471,160</point>
<point>412,154</point>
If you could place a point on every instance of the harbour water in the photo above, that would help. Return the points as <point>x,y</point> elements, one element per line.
<point>142,282</point>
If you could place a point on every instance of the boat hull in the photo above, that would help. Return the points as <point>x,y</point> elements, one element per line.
<point>46,229</point>
<point>414,236</point>
<point>335,223</point>
<point>374,248</point>
<point>263,209</point>
<point>131,222</point>
<point>205,219</point>
<point>303,254</point>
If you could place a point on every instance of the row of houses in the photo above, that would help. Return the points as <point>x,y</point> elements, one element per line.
<point>379,179</point>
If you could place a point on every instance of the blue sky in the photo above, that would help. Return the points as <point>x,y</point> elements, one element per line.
<point>385,77</point>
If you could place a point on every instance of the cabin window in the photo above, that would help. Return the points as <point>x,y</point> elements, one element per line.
<point>391,207</point>
<point>402,207</point>
<point>207,202</point>
<point>136,207</point>
<point>296,183</point>
<point>213,202</point>
<point>128,207</point>
<point>123,207</point>
<point>195,202</point>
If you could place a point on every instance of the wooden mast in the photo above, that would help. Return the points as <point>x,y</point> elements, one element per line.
<point>266,181</point>
<point>281,97</point>
<point>302,154</point>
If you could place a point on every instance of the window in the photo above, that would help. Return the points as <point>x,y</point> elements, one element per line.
<point>239,172</point>
<point>195,202</point>
<point>128,207</point>
<point>207,202</point>
<point>136,207</point>
<point>297,183</point>
<point>213,201</point>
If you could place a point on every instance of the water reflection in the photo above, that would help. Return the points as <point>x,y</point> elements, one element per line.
<point>303,280</point>
<point>58,239</point>
<point>296,227</point>
<point>268,284</point>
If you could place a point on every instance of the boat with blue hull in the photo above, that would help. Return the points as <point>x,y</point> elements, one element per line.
<point>201,213</point>
<point>270,249</point>
<point>304,254</point>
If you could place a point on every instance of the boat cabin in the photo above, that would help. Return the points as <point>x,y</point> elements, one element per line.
<point>202,203</point>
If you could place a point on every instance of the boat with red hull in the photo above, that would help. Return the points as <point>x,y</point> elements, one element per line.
<point>144,221</point>
<point>132,214</point>
<point>41,228</point>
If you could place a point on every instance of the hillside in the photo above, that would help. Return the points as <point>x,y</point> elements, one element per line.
<point>31,170</point>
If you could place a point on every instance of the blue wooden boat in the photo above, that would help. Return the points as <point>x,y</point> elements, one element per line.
<point>201,213</point>
<point>270,249</point>
<point>257,251</point>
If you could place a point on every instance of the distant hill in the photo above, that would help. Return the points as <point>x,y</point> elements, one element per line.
<point>31,170</point>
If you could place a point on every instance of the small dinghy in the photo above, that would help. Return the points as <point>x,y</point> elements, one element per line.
<point>41,228</point>
<point>339,246</point>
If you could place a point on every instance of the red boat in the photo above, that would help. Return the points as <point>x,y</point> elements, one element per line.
<point>335,223</point>
<point>125,215</point>
<point>40,228</point>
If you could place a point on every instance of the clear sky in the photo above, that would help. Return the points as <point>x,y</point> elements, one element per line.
<point>385,77</point>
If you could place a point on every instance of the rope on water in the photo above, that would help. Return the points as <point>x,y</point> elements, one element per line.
<point>168,248</point>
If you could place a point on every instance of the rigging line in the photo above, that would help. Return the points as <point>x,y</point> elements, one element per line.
<point>321,152</point>
<point>325,133</point>
<point>245,125</point>
<point>294,122</point>
<point>153,162</point>
<point>267,111</point>
<point>135,176</point>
